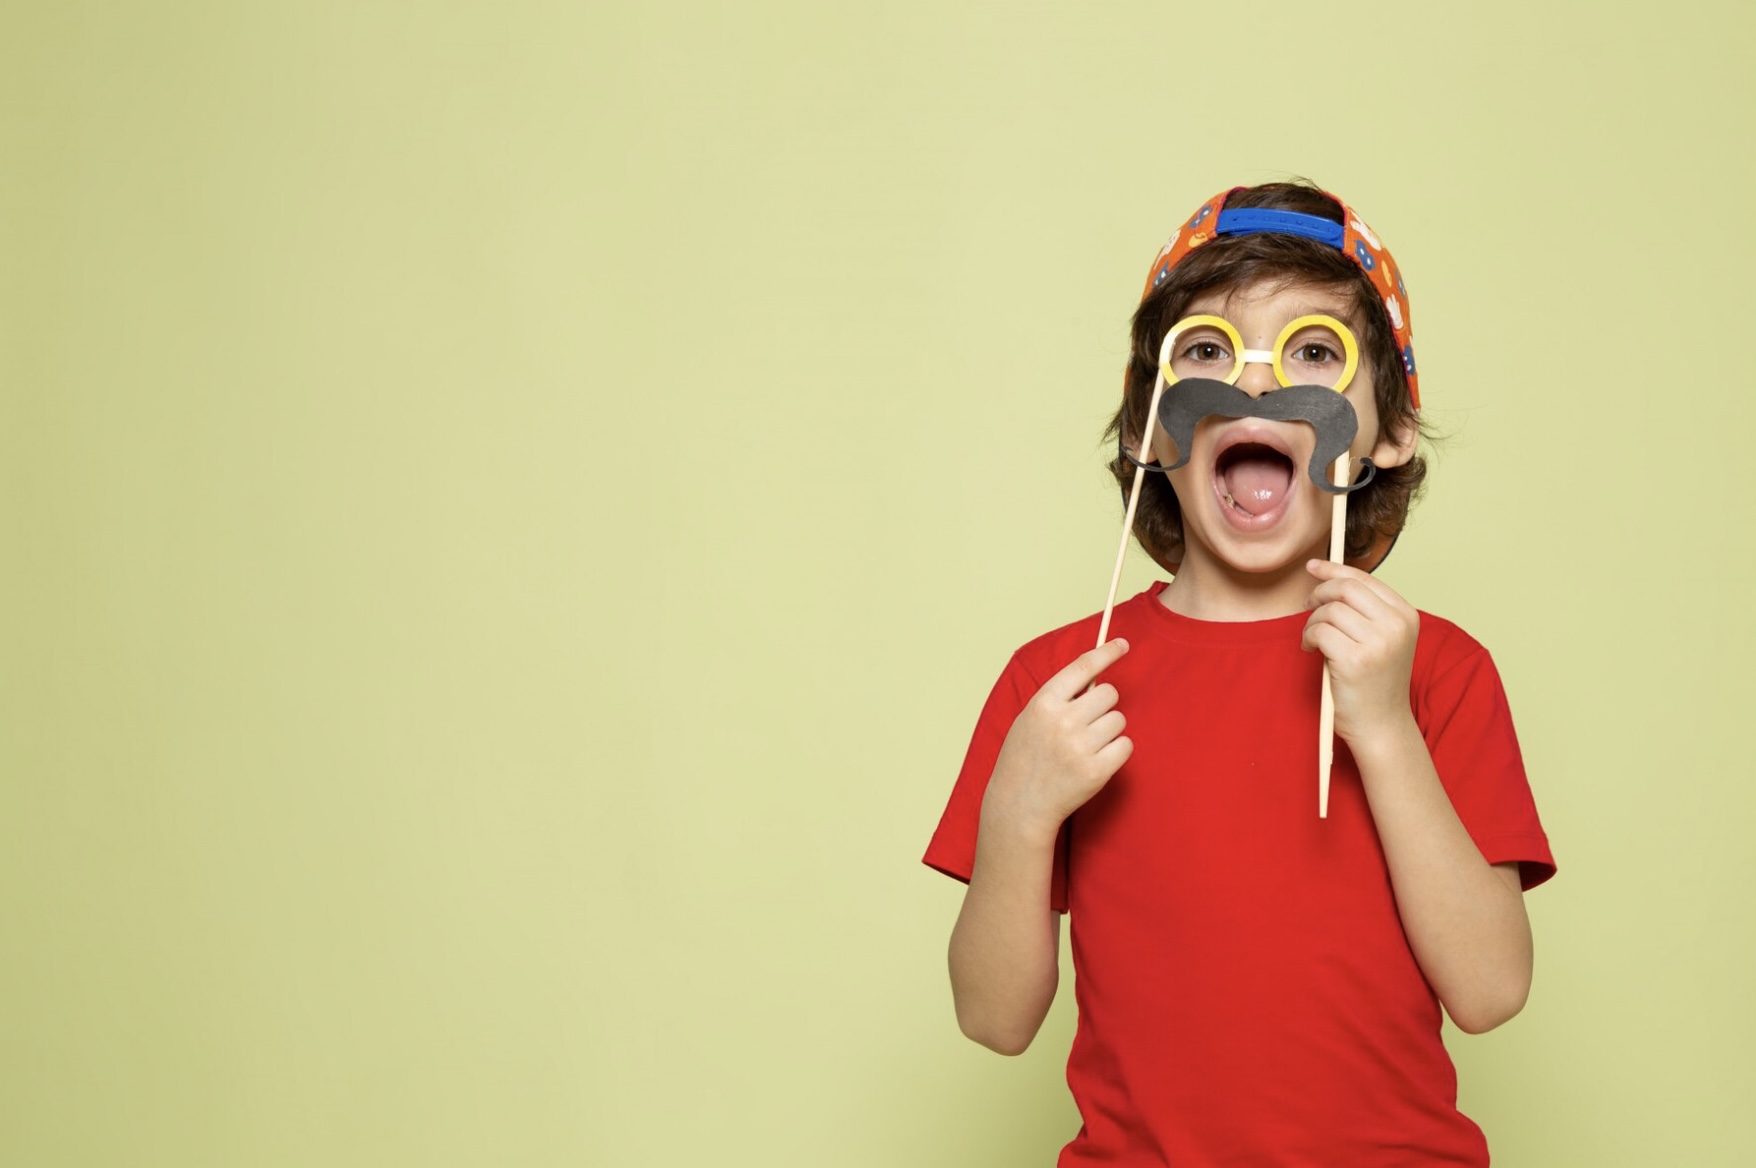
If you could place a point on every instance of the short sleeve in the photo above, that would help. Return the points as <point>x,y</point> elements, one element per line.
<point>1467,724</point>
<point>953,846</point>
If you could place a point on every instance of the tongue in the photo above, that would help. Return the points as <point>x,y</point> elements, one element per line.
<point>1257,484</point>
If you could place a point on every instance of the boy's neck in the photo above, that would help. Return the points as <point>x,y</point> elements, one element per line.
<point>1210,590</point>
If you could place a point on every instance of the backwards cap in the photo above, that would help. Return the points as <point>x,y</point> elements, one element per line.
<point>1351,236</point>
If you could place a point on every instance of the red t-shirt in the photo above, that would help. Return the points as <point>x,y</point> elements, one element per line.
<point>1246,994</point>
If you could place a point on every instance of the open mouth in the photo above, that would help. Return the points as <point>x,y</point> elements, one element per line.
<point>1253,479</point>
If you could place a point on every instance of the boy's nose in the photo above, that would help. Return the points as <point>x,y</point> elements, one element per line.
<point>1257,378</point>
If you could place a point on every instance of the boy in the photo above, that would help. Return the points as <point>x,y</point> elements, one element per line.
<point>1255,984</point>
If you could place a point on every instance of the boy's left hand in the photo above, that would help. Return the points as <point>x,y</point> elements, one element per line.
<point>1367,632</point>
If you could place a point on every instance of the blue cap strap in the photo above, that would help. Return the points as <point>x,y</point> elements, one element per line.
<point>1250,220</point>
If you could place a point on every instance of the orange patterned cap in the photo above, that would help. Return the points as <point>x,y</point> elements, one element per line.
<point>1351,236</point>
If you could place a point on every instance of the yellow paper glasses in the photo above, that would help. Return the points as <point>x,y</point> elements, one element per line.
<point>1312,350</point>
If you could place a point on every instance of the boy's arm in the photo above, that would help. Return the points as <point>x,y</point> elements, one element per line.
<point>1005,949</point>
<point>1464,918</point>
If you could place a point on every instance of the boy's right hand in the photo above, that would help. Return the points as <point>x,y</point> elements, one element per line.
<point>1063,746</point>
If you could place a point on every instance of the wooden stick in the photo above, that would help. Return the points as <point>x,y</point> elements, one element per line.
<point>1326,709</point>
<point>1158,388</point>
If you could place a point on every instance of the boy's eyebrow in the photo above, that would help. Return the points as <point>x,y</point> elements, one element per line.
<point>1346,313</point>
<point>1340,310</point>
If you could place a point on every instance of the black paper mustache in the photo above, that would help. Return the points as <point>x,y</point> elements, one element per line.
<point>1186,402</point>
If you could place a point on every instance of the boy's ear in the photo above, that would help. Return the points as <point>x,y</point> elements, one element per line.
<point>1396,444</point>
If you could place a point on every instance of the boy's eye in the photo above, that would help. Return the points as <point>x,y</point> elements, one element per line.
<point>1314,356</point>
<point>1206,352</point>
<point>1315,350</point>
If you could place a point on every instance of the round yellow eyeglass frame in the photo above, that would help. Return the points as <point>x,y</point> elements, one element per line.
<point>1242,356</point>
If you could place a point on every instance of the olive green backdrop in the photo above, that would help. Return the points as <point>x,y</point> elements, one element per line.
<point>510,512</point>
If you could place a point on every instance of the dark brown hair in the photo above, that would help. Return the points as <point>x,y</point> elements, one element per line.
<point>1377,511</point>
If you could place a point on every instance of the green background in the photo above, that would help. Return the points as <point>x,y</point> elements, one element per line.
<point>510,512</point>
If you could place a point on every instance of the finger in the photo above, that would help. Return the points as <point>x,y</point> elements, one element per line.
<point>1345,620</point>
<point>1095,701</point>
<point>1325,638</point>
<point>1354,594</point>
<point>1084,669</point>
<point>1326,570</point>
<point>1107,728</point>
<point>1330,570</point>
<point>1111,757</point>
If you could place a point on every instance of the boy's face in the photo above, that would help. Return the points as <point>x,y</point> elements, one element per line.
<point>1246,499</point>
